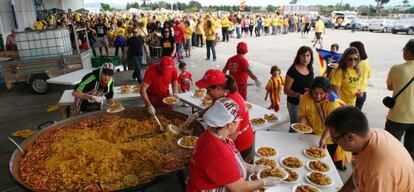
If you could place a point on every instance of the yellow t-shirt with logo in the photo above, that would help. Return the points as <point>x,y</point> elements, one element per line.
<point>348,86</point>
<point>120,31</point>
<point>319,27</point>
<point>188,31</point>
<point>307,108</point>
<point>366,73</point>
<point>210,34</point>
<point>295,19</point>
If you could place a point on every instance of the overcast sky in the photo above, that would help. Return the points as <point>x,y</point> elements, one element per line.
<point>260,2</point>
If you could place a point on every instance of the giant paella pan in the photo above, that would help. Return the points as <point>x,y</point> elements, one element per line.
<point>101,152</point>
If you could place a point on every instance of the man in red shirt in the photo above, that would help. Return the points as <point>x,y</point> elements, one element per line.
<point>239,69</point>
<point>157,80</point>
<point>179,36</point>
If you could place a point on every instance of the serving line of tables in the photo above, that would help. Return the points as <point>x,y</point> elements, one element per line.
<point>67,100</point>
<point>255,112</point>
<point>294,144</point>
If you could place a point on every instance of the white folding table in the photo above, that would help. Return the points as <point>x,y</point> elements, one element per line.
<point>67,100</point>
<point>294,144</point>
<point>255,112</point>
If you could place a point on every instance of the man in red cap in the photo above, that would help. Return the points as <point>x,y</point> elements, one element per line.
<point>239,69</point>
<point>157,80</point>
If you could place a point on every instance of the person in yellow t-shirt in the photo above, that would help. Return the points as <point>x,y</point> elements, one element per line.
<point>266,24</point>
<point>274,24</point>
<point>366,72</point>
<point>295,22</point>
<point>319,29</point>
<point>314,106</point>
<point>379,162</point>
<point>188,31</point>
<point>120,38</point>
<point>400,118</point>
<point>225,24</point>
<point>38,24</point>
<point>346,79</point>
<point>210,40</point>
<point>285,25</point>
<point>200,33</point>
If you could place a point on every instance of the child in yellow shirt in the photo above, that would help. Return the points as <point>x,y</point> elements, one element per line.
<point>274,88</point>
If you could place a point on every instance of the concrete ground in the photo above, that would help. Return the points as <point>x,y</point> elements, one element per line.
<point>22,110</point>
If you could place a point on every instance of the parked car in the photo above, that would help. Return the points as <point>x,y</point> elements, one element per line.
<point>406,25</point>
<point>363,24</point>
<point>381,25</point>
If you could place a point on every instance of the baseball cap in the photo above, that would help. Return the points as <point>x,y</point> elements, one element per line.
<point>211,77</point>
<point>167,63</point>
<point>108,68</point>
<point>242,48</point>
<point>223,112</point>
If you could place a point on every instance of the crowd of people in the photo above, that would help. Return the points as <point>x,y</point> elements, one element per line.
<point>331,104</point>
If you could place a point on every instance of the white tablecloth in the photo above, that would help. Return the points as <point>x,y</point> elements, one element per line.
<point>67,98</point>
<point>293,144</point>
<point>255,112</point>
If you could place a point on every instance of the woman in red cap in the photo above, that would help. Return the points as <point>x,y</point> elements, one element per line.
<point>216,165</point>
<point>239,69</point>
<point>219,85</point>
<point>157,80</point>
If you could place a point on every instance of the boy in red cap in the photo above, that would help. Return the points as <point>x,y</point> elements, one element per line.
<point>156,83</point>
<point>239,69</point>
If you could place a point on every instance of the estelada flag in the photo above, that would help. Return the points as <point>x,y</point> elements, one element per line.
<point>325,57</point>
<point>242,5</point>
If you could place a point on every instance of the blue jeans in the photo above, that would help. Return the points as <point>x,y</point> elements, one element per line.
<point>92,45</point>
<point>238,32</point>
<point>211,44</point>
<point>179,48</point>
<point>293,114</point>
<point>137,61</point>
<point>360,101</point>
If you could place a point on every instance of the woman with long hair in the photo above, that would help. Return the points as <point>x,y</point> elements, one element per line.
<point>314,107</point>
<point>346,79</point>
<point>298,80</point>
<point>366,72</point>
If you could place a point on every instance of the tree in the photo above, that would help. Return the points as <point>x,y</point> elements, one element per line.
<point>132,5</point>
<point>293,1</point>
<point>106,7</point>
<point>270,8</point>
<point>380,4</point>
<point>406,3</point>
<point>195,4</point>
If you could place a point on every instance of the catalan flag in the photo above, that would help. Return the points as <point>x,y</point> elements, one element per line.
<point>325,57</point>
